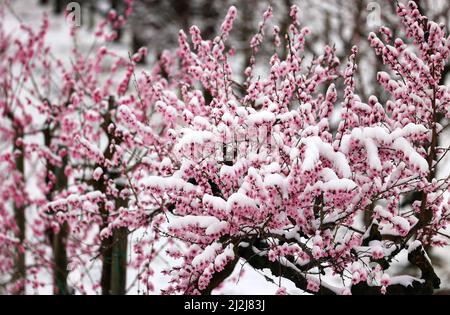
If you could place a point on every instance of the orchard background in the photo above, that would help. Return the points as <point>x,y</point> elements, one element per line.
<point>224,147</point>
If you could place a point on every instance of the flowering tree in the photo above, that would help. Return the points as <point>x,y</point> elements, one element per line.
<point>223,170</point>
<point>59,129</point>
<point>256,173</point>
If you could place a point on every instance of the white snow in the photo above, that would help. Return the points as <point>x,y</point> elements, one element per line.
<point>401,222</point>
<point>194,137</point>
<point>315,147</point>
<point>343,184</point>
<point>261,117</point>
<point>241,200</point>
<point>226,255</point>
<point>192,220</point>
<point>208,254</point>
<point>215,202</point>
<point>401,144</point>
<point>404,280</point>
<point>216,228</point>
<point>372,154</point>
<point>98,172</point>
<point>167,183</point>
<point>414,245</point>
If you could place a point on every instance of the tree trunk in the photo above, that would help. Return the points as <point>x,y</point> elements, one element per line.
<point>19,212</point>
<point>58,6</point>
<point>119,31</point>
<point>57,240</point>
<point>113,248</point>
<point>183,12</point>
<point>105,282</point>
<point>210,15</point>
<point>114,253</point>
<point>92,12</point>
<point>60,271</point>
<point>119,254</point>
<point>119,262</point>
<point>137,43</point>
<point>60,241</point>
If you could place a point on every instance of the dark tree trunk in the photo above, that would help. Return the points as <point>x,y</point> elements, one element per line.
<point>137,42</point>
<point>19,211</point>
<point>57,240</point>
<point>119,262</point>
<point>119,254</point>
<point>60,242</point>
<point>92,11</point>
<point>58,6</point>
<point>60,271</point>
<point>114,248</point>
<point>183,11</point>
<point>115,5</point>
<point>210,15</point>
<point>105,282</point>
<point>114,268</point>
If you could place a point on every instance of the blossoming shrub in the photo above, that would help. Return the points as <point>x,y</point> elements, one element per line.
<point>258,174</point>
